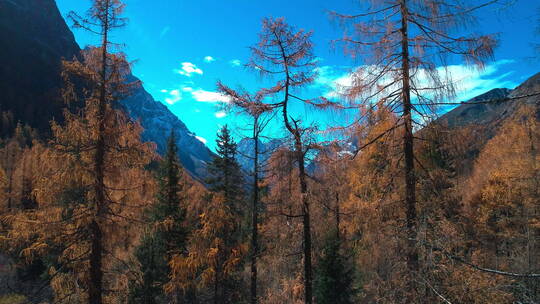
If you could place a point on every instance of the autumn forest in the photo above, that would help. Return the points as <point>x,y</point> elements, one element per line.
<point>415,196</point>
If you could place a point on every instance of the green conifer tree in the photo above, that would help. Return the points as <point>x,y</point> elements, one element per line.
<point>167,234</point>
<point>334,280</point>
<point>226,179</point>
<point>225,173</point>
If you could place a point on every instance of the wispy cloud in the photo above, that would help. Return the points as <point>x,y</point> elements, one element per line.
<point>333,80</point>
<point>164,31</point>
<point>472,82</point>
<point>235,62</point>
<point>209,59</point>
<point>220,114</point>
<point>208,96</point>
<point>175,96</point>
<point>187,92</point>
<point>188,69</point>
<point>469,82</point>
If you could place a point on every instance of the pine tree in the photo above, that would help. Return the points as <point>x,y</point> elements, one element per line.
<point>147,289</point>
<point>216,250</point>
<point>334,280</point>
<point>253,106</point>
<point>225,173</point>
<point>227,180</point>
<point>167,235</point>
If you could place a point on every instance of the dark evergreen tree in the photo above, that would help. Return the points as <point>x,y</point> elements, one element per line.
<point>169,211</point>
<point>167,235</point>
<point>334,280</point>
<point>225,172</point>
<point>151,256</point>
<point>226,178</point>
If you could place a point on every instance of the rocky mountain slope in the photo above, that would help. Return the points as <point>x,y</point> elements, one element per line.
<point>34,39</point>
<point>482,120</point>
<point>489,113</point>
<point>158,121</point>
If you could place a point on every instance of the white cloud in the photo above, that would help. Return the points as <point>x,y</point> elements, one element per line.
<point>235,62</point>
<point>188,69</point>
<point>201,139</point>
<point>200,95</point>
<point>220,114</point>
<point>208,96</point>
<point>333,80</point>
<point>164,31</point>
<point>175,96</point>
<point>209,59</point>
<point>469,82</point>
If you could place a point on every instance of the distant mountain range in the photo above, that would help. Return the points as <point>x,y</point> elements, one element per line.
<point>34,39</point>
<point>480,121</point>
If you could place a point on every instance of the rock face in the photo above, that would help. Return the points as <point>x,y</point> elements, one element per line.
<point>478,113</point>
<point>34,39</point>
<point>158,122</point>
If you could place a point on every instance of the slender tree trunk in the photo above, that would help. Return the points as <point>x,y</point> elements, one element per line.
<point>410,178</point>
<point>255,214</point>
<point>216,288</point>
<point>10,167</point>
<point>10,188</point>
<point>95,289</point>
<point>308,271</point>
<point>338,219</point>
<point>533,285</point>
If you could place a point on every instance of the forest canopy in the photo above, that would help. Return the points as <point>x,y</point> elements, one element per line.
<point>397,203</point>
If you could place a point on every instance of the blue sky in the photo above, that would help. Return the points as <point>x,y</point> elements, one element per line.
<point>182,47</point>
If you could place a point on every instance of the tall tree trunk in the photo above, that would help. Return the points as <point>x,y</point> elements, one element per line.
<point>10,188</point>
<point>410,178</point>
<point>532,260</point>
<point>216,288</point>
<point>95,290</point>
<point>299,153</point>
<point>255,214</point>
<point>338,219</point>
<point>10,167</point>
<point>308,271</point>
